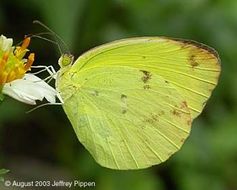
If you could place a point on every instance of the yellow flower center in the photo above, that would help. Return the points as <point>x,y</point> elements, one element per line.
<point>12,63</point>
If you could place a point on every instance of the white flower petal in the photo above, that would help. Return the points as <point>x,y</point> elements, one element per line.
<point>8,90</point>
<point>46,91</point>
<point>29,89</point>
<point>5,43</point>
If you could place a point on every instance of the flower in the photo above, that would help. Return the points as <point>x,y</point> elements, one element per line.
<point>12,64</point>
<point>14,81</point>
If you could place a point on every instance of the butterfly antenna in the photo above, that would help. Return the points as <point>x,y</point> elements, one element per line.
<point>54,33</point>
<point>42,38</point>
<point>39,36</point>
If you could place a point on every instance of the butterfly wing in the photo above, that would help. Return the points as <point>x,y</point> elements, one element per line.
<point>192,68</point>
<point>126,118</point>
<point>131,102</point>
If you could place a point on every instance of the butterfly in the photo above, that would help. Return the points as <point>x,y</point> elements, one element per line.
<point>131,102</point>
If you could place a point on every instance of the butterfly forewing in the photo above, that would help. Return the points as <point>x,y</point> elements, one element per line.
<point>192,68</point>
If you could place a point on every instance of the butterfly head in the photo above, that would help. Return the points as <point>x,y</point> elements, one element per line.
<point>65,60</point>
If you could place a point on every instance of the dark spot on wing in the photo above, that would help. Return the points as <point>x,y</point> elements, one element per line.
<point>192,61</point>
<point>198,45</point>
<point>167,82</point>
<point>146,87</point>
<point>176,112</point>
<point>161,113</point>
<point>124,106</point>
<point>155,117</point>
<point>146,76</point>
<point>123,96</point>
<point>72,74</point>
<point>62,74</point>
<point>124,111</point>
<point>152,118</point>
<point>149,120</point>
<point>146,140</point>
<point>184,105</point>
<point>182,140</point>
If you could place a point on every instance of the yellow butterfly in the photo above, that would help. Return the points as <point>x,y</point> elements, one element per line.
<point>132,102</point>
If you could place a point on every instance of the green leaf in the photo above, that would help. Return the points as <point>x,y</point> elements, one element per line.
<point>3,171</point>
<point>1,97</point>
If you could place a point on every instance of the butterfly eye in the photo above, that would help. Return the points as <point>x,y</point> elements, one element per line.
<point>65,60</point>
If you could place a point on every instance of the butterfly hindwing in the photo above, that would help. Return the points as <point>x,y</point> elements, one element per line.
<point>127,125</point>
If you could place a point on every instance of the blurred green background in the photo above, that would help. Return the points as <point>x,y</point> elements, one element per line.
<point>43,146</point>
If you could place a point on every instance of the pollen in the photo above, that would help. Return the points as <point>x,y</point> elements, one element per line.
<point>13,65</point>
<point>3,61</point>
<point>25,43</point>
<point>30,61</point>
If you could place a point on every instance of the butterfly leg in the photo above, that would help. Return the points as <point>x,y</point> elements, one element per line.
<point>49,69</point>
